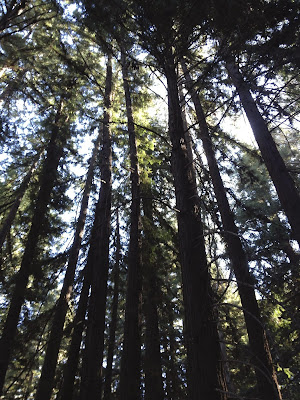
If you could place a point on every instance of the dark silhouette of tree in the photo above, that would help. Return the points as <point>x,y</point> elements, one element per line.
<point>98,260</point>
<point>130,377</point>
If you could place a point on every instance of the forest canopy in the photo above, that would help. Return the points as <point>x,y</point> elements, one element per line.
<point>149,199</point>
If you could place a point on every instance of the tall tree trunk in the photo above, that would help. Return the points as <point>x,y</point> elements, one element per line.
<point>206,380</point>
<point>187,135</point>
<point>98,261</point>
<point>262,360</point>
<point>15,206</point>
<point>283,182</point>
<point>46,382</point>
<point>47,181</point>
<point>71,367</point>
<point>113,322</point>
<point>152,362</point>
<point>131,356</point>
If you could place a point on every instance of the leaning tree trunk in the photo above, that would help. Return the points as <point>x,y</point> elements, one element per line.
<point>283,182</point>
<point>46,382</point>
<point>98,262</point>
<point>47,181</point>
<point>114,315</point>
<point>131,356</point>
<point>262,360</point>
<point>15,206</point>
<point>205,375</point>
<point>152,361</point>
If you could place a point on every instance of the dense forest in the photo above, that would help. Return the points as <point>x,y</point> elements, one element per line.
<point>149,199</point>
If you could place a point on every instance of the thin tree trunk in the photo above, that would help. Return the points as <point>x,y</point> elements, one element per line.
<point>114,315</point>
<point>46,382</point>
<point>71,367</point>
<point>226,367</point>
<point>15,206</point>
<point>47,180</point>
<point>131,356</point>
<point>262,360</point>
<point>187,135</point>
<point>205,375</point>
<point>283,182</point>
<point>98,261</point>
<point>174,389</point>
<point>152,362</point>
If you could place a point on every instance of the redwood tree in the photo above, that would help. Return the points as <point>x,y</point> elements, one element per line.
<point>98,260</point>
<point>262,359</point>
<point>285,186</point>
<point>131,356</point>
<point>46,381</point>
<point>59,135</point>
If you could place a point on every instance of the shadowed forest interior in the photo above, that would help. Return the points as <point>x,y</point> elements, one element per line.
<point>149,199</point>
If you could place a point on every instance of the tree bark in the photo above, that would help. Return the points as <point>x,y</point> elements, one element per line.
<point>262,360</point>
<point>46,382</point>
<point>98,261</point>
<point>283,182</point>
<point>152,362</point>
<point>15,206</point>
<point>71,367</point>
<point>47,181</point>
<point>131,356</point>
<point>113,322</point>
<point>205,375</point>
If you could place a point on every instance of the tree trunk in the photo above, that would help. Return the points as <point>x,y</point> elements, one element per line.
<point>205,376</point>
<point>15,206</point>
<point>262,360</point>
<point>152,362</point>
<point>172,386</point>
<point>283,182</point>
<point>114,315</point>
<point>173,383</point>
<point>131,357</point>
<point>71,367</point>
<point>47,181</point>
<point>187,135</point>
<point>98,261</point>
<point>46,382</point>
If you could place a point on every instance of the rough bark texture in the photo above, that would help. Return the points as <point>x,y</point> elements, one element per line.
<point>152,361</point>
<point>262,360</point>
<point>47,180</point>
<point>283,182</point>
<point>15,206</point>
<point>114,315</point>
<point>46,382</point>
<point>98,261</point>
<point>131,357</point>
<point>205,374</point>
